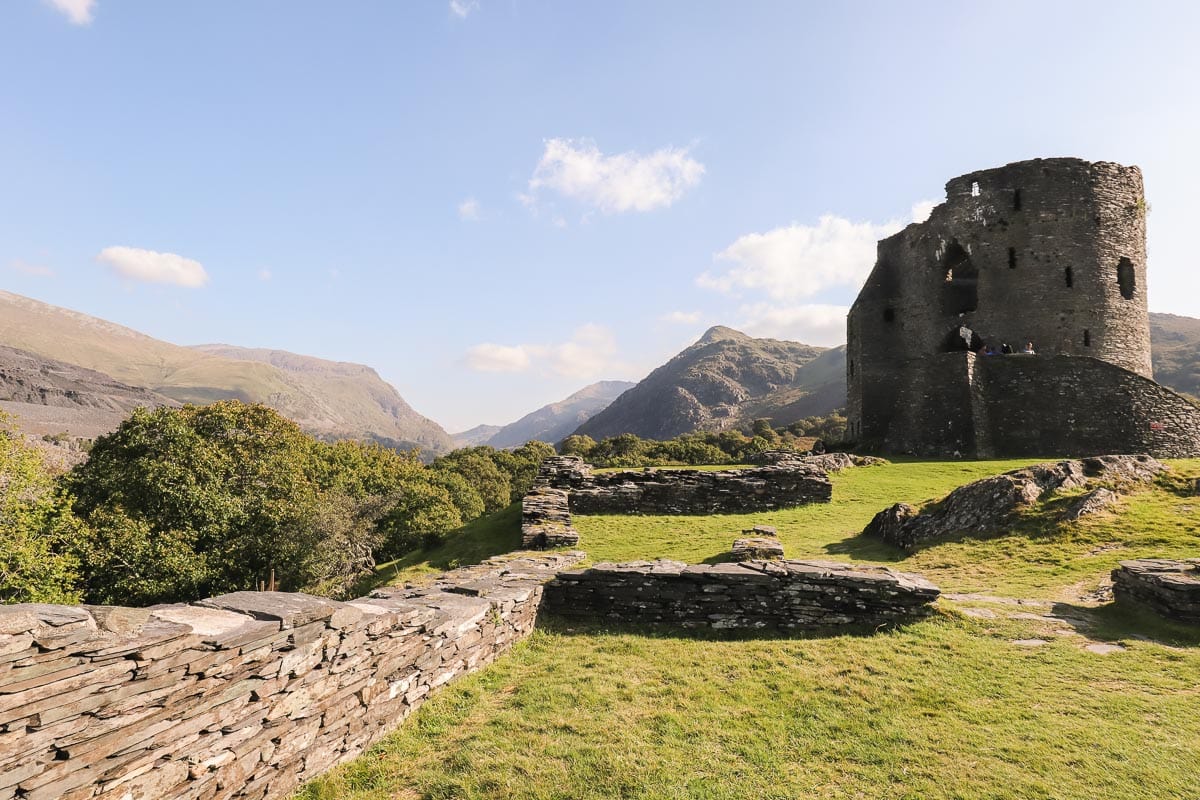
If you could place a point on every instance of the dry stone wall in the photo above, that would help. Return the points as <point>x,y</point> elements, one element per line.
<point>546,519</point>
<point>1170,588</point>
<point>245,695</point>
<point>693,491</point>
<point>752,595</point>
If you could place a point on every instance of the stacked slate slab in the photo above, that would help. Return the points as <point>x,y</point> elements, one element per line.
<point>245,695</point>
<point>753,595</point>
<point>1170,588</point>
<point>758,543</point>
<point>694,492</point>
<point>546,519</point>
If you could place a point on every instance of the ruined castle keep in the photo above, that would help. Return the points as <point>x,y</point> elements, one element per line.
<point>1050,252</point>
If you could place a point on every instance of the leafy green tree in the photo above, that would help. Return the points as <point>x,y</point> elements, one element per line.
<point>232,487</point>
<point>577,444</point>
<point>37,527</point>
<point>478,466</point>
<point>423,509</point>
<point>522,465</point>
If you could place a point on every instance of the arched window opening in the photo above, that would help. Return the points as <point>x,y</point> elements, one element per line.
<point>1012,258</point>
<point>1087,338</point>
<point>1126,279</point>
<point>1069,276</point>
<point>960,293</point>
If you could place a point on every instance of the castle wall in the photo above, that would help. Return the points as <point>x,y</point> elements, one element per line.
<point>1050,251</point>
<point>1082,407</point>
<point>240,696</point>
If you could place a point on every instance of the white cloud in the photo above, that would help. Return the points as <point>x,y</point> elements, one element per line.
<point>489,357</point>
<point>36,270</point>
<point>617,183</point>
<point>591,352</point>
<point>153,267</point>
<point>817,324</point>
<point>681,317</point>
<point>922,209</point>
<point>461,8</point>
<point>800,260</point>
<point>79,12</point>
<point>264,275</point>
<point>468,210</point>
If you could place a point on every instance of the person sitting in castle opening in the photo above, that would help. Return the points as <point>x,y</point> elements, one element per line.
<point>1006,349</point>
<point>1029,351</point>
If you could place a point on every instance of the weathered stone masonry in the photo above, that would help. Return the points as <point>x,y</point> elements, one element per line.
<point>1170,588</point>
<point>752,595</point>
<point>240,696</point>
<point>686,491</point>
<point>1050,251</point>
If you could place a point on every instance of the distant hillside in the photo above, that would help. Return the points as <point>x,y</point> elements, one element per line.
<point>724,380</point>
<point>1175,350</point>
<point>556,421</point>
<point>329,399</point>
<point>476,436</point>
<point>53,397</point>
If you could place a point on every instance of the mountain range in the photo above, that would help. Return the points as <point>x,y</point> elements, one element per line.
<point>725,380</point>
<point>66,372</point>
<point>550,423</point>
<point>327,398</point>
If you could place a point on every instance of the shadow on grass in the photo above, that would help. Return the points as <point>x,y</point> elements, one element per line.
<point>567,626</point>
<point>1116,621</point>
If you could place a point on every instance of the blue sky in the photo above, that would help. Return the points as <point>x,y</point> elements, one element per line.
<point>497,202</point>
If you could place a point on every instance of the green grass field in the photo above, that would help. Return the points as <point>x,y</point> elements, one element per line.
<point>965,704</point>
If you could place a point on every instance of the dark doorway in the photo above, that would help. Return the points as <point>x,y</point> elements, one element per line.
<point>960,292</point>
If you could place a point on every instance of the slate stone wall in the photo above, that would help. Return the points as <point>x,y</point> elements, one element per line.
<point>1018,405</point>
<point>1170,588</point>
<point>751,595</point>
<point>692,491</point>
<point>240,696</point>
<point>1050,251</point>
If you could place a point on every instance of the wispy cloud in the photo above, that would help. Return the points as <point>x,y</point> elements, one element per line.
<point>591,352</point>
<point>614,184</point>
<point>79,12</point>
<point>265,275</point>
<point>817,324</point>
<point>36,270</point>
<point>681,317</point>
<point>468,210</point>
<point>150,266</point>
<point>798,261</point>
<point>461,8</point>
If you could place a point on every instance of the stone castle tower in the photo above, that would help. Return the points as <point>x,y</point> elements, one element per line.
<point>1050,251</point>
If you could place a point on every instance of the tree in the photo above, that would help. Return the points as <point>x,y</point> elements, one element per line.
<point>578,444</point>
<point>478,466</point>
<point>37,527</point>
<point>227,490</point>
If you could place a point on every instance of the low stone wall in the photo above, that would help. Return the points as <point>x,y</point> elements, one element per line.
<point>754,595</point>
<point>546,519</point>
<point>240,696</point>
<point>1170,588</point>
<point>693,491</point>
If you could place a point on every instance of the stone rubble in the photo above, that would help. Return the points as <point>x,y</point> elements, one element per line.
<point>756,548</point>
<point>1094,502</point>
<point>245,695</point>
<point>770,595</point>
<point>1169,588</point>
<point>986,503</point>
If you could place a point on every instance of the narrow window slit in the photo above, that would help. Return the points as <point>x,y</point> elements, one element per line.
<point>1012,258</point>
<point>1070,277</point>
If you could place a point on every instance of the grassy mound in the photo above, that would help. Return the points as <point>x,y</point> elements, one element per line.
<point>1026,684</point>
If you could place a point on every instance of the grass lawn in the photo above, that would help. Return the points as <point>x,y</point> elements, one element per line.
<point>965,704</point>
